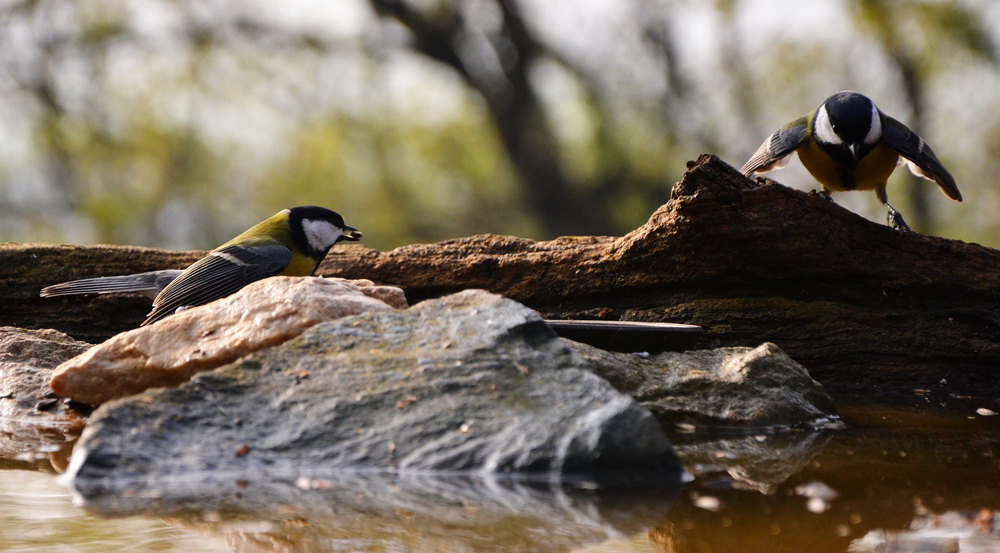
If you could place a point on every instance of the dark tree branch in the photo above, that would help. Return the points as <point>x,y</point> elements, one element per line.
<point>514,107</point>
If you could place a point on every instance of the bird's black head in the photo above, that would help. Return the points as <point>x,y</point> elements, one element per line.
<point>849,121</point>
<point>316,229</point>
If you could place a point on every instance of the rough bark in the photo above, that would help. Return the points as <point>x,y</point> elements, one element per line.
<point>857,303</point>
<point>26,268</point>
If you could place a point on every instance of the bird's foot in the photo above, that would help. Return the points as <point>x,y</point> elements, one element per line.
<point>825,194</point>
<point>896,221</point>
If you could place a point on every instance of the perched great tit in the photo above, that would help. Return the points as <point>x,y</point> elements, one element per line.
<point>847,143</point>
<point>292,242</point>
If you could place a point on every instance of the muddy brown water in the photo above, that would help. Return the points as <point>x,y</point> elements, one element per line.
<point>900,479</point>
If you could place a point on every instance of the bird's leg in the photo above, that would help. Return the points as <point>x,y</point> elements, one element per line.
<point>896,221</point>
<point>895,218</point>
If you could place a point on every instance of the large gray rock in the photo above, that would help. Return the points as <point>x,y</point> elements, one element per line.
<point>471,383</point>
<point>719,389</point>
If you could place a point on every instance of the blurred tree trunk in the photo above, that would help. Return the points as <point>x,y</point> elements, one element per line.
<point>879,18</point>
<point>445,35</point>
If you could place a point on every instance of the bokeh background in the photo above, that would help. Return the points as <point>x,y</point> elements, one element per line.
<point>179,123</point>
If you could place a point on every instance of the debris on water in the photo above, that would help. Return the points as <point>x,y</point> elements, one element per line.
<point>815,488</point>
<point>46,404</point>
<point>817,505</point>
<point>707,502</point>
<point>818,495</point>
<point>831,422</point>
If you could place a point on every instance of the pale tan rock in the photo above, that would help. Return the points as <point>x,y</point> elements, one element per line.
<point>169,352</point>
<point>391,295</point>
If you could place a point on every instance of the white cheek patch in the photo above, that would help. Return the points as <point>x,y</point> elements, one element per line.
<point>824,129</point>
<point>320,234</point>
<point>875,131</point>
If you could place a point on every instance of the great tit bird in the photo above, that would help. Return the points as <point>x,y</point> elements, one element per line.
<point>847,143</point>
<point>292,242</point>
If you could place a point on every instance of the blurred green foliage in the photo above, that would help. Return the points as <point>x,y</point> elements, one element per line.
<point>179,123</point>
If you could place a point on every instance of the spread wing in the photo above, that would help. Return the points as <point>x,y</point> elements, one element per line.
<point>775,151</point>
<point>918,155</point>
<point>217,275</point>
<point>148,284</point>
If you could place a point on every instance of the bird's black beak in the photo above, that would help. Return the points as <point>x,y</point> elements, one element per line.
<point>855,150</point>
<point>351,233</point>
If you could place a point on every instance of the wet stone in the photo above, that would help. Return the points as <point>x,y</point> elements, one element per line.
<point>737,389</point>
<point>471,383</point>
<point>31,417</point>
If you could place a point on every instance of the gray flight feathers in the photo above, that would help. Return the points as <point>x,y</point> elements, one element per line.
<point>219,274</point>
<point>148,284</point>
<point>918,155</point>
<point>775,151</point>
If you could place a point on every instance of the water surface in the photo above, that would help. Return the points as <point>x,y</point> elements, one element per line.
<point>893,480</point>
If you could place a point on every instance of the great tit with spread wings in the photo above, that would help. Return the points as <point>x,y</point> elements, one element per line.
<point>847,143</point>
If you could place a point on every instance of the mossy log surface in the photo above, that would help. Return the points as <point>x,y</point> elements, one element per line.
<point>863,307</point>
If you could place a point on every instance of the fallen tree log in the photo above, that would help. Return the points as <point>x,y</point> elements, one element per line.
<point>857,303</point>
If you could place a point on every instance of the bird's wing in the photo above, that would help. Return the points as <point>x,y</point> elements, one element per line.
<point>919,156</point>
<point>773,153</point>
<point>217,275</point>
<point>148,284</point>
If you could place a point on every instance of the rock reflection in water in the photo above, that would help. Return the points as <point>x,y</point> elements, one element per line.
<point>372,512</point>
<point>881,489</point>
<point>755,462</point>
